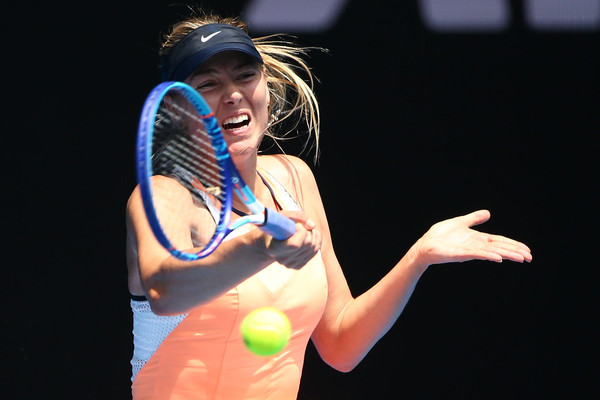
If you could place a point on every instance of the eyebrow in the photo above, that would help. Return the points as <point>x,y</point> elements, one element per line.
<point>205,71</point>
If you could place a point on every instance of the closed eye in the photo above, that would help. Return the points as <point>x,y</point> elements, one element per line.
<point>203,86</point>
<point>247,77</point>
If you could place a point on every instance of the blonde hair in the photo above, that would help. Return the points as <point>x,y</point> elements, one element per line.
<point>291,95</point>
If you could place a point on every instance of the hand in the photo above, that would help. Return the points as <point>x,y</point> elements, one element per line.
<point>453,240</point>
<point>301,247</point>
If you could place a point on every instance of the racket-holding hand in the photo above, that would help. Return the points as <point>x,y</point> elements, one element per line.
<point>301,247</point>
<point>453,240</point>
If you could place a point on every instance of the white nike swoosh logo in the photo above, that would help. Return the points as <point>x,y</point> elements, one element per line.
<point>206,39</point>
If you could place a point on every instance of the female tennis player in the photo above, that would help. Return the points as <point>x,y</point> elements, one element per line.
<point>187,314</point>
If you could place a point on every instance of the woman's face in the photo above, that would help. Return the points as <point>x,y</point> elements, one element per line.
<point>235,87</point>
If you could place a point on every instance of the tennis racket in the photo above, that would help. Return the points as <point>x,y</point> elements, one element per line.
<point>179,137</point>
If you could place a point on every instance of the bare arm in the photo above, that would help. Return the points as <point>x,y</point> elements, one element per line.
<point>351,326</point>
<point>174,286</point>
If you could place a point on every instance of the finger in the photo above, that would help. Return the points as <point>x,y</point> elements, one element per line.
<point>300,218</point>
<point>317,239</point>
<point>484,254</point>
<point>510,250</point>
<point>310,224</point>
<point>476,218</point>
<point>511,245</point>
<point>513,253</point>
<point>499,254</point>
<point>310,247</point>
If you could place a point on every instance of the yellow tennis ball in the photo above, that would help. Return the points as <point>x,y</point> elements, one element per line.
<point>266,331</point>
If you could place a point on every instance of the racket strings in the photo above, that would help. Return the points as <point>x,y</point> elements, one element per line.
<point>179,149</point>
<point>182,149</point>
<point>183,155</point>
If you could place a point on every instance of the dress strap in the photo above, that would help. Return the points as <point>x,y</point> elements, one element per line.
<point>277,205</point>
<point>187,179</point>
<point>283,199</point>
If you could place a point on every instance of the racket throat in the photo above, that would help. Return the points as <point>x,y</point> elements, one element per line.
<point>265,214</point>
<point>238,212</point>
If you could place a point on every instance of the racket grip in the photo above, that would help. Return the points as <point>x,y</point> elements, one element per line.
<point>277,225</point>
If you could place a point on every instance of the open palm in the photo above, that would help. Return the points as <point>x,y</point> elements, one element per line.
<point>453,240</point>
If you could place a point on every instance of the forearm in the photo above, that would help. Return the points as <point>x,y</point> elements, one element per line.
<point>349,331</point>
<point>365,319</point>
<point>176,286</point>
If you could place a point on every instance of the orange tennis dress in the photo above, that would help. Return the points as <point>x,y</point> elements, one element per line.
<point>201,355</point>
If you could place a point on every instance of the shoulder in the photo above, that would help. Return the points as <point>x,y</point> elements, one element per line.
<point>288,170</point>
<point>293,173</point>
<point>163,187</point>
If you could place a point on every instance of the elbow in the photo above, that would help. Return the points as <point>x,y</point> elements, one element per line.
<point>160,302</point>
<point>342,366</point>
<point>339,353</point>
<point>163,307</point>
<point>342,361</point>
<point>345,367</point>
<point>167,299</point>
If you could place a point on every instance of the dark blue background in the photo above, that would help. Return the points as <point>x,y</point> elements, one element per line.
<point>417,127</point>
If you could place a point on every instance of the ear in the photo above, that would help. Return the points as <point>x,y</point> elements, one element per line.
<point>268,94</point>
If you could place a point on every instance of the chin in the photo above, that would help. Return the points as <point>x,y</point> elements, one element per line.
<point>243,144</point>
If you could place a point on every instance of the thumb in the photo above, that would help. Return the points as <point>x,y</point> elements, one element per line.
<point>300,218</point>
<point>476,217</point>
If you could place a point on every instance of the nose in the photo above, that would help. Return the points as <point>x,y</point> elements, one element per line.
<point>232,94</point>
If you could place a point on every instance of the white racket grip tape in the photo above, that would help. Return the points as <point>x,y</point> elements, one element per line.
<point>277,225</point>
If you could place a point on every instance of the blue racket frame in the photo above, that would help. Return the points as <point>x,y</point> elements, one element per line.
<point>268,220</point>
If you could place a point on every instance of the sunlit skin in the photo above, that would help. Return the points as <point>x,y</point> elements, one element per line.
<point>234,85</point>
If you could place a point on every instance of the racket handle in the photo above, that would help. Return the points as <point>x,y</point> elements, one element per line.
<point>277,225</point>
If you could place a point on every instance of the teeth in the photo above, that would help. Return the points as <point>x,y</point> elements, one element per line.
<point>238,119</point>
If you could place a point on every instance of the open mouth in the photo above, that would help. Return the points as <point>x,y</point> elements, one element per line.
<point>237,122</point>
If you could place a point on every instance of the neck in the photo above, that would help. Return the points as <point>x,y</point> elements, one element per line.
<point>247,169</point>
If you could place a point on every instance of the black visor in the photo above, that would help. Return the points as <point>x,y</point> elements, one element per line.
<point>201,44</point>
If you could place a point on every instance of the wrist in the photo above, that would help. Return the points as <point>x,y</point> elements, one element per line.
<point>418,256</point>
<point>262,243</point>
